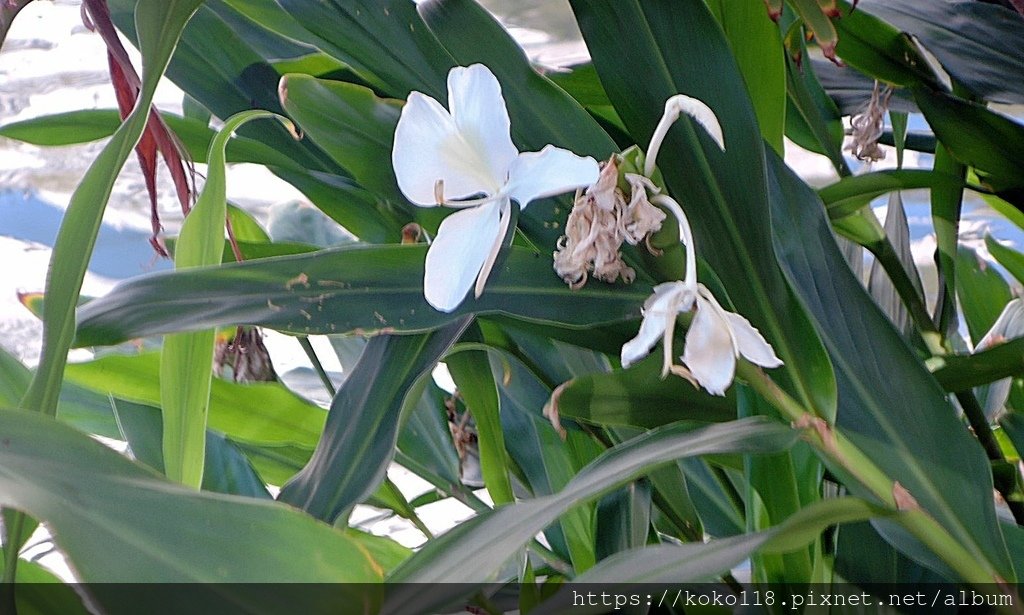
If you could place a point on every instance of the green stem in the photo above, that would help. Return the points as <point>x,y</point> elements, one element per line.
<point>12,540</point>
<point>886,255</point>
<point>307,347</point>
<point>976,417</point>
<point>840,452</point>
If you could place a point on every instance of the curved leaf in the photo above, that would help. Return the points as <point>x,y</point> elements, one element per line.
<point>349,289</point>
<point>119,527</point>
<point>92,124</point>
<point>258,413</point>
<point>890,407</point>
<point>359,439</point>
<point>186,359</point>
<point>690,563</point>
<point>383,40</point>
<point>851,193</point>
<point>351,124</point>
<point>457,554</point>
<point>978,43</point>
<point>640,397</point>
<point>962,372</point>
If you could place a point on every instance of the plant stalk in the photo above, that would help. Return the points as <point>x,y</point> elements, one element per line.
<point>841,453</point>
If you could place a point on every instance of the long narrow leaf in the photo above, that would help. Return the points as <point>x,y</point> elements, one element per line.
<point>362,426</point>
<point>457,555</point>
<point>159,25</point>
<point>129,524</point>
<point>186,362</point>
<point>352,289</point>
<point>891,407</point>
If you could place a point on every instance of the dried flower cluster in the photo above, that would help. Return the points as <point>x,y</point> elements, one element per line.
<point>600,221</point>
<point>868,126</point>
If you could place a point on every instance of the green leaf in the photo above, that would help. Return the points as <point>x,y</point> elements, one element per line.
<point>964,36</point>
<point>40,592</point>
<point>898,260</point>
<point>129,524</point>
<point>457,555</point>
<point>962,372</point>
<point>383,40</point>
<point>697,562</point>
<point>1013,424</point>
<point>226,470</point>
<point>981,289</point>
<point>91,124</point>
<point>362,426</point>
<point>351,124</point>
<point>720,506</point>
<point>876,48</point>
<point>546,459</point>
<point>757,47</point>
<point>471,372</point>
<point>917,440</point>
<point>427,438</point>
<point>990,142</point>
<point>813,120</point>
<point>725,191</point>
<point>14,379</point>
<point>245,227</point>
<point>864,557</point>
<point>623,520</point>
<point>349,289</point>
<point>640,397</point>
<point>186,359</point>
<point>159,27</point>
<point>947,206</point>
<point>263,413</point>
<point>850,194</point>
<point>777,487</point>
<point>218,63</point>
<point>1007,257</point>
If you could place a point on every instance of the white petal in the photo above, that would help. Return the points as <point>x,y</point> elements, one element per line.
<point>1007,326</point>
<point>463,242</point>
<point>485,270</point>
<point>709,352</point>
<point>651,330</point>
<point>660,312</point>
<point>428,148</point>
<point>478,108</point>
<point>750,343</point>
<point>700,112</point>
<point>548,172</point>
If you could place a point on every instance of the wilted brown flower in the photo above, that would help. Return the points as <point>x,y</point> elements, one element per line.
<point>868,126</point>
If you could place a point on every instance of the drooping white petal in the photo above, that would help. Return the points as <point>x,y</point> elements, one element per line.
<point>485,270</point>
<point>550,171</point>
<point>428,147</point>
<point>1009,325</point>
<point>700,112</point>
<point>660,312</point>
<point>478,108</point>
<point>652,328</point>
<point>709,352</point>
<point>750,343</point>
<point>460,249</point>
